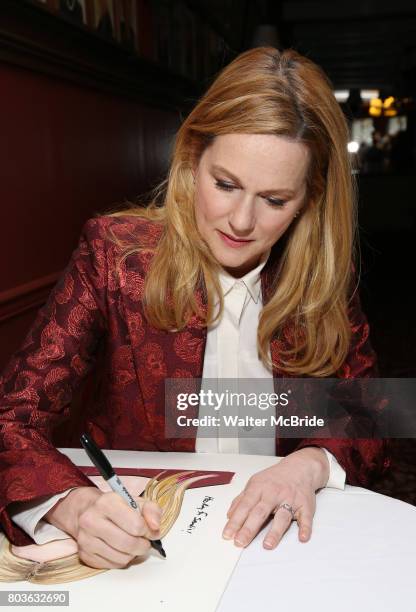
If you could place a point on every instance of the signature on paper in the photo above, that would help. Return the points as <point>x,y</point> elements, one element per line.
<point>200,514</point>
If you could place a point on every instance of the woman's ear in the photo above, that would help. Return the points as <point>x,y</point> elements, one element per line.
<point>298,212</point>
<point>194,167</point>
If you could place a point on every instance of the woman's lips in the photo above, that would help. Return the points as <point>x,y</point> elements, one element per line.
<point>236,244</point>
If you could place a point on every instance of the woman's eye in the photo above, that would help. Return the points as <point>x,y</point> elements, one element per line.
<point>275,202</point>
<point>224,186</point>
<point>228,187</point>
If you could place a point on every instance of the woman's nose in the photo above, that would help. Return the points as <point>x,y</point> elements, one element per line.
<point>242,217</point>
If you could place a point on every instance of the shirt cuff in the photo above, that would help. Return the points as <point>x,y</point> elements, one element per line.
<point>28,516</point>
<point>337,474</point>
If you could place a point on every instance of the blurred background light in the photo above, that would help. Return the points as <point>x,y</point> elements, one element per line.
<point>341,95</point>
<point>353,146</point>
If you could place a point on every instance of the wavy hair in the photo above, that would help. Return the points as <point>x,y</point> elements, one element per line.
<point>264,91</point>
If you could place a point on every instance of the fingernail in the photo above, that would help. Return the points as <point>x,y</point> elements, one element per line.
<point>227,534</point>
<point>268,543</point>
<point>239,542</point>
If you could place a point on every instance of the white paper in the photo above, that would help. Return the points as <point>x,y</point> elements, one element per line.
<point>198,564</point>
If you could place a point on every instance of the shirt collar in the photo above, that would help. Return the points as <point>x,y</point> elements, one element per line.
<point>251,279</point>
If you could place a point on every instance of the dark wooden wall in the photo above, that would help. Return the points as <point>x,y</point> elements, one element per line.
<point>83,128</point>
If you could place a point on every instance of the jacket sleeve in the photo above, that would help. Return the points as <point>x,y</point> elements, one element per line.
<point>37,385</point>
<point>363,459</point>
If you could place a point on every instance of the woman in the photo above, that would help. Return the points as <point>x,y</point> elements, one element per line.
<point>258,205</point>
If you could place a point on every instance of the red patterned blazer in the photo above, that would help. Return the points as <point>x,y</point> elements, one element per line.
<point>93,312</point>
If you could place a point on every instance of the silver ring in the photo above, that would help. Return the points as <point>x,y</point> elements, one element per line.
<point>287,507</point>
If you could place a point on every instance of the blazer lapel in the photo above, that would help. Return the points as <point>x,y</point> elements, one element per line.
<point>165,355</point>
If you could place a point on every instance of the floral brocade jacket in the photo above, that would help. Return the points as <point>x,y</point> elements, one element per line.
<point>95,315</point>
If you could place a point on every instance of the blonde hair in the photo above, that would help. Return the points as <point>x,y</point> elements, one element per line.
<point>263,91</point>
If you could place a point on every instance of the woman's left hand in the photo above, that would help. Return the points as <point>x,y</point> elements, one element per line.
<point>294,481</point>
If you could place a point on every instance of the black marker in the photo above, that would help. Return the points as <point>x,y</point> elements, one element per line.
<point>104,467</point>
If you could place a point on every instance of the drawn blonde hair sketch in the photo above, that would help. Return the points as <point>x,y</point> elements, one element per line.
<point>167,491</point>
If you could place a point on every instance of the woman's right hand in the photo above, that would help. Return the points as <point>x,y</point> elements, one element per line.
<point>109,533</point>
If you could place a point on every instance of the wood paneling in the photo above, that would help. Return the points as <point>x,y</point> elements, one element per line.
<point>22,298</point>
<point>85,127</point>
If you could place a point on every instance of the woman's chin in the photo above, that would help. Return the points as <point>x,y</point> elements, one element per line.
<point>237,269</point>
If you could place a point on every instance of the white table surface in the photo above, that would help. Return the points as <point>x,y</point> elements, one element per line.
<point>361,556</point>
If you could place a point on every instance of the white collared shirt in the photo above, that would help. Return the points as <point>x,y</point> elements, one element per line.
<point>230,352</point>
